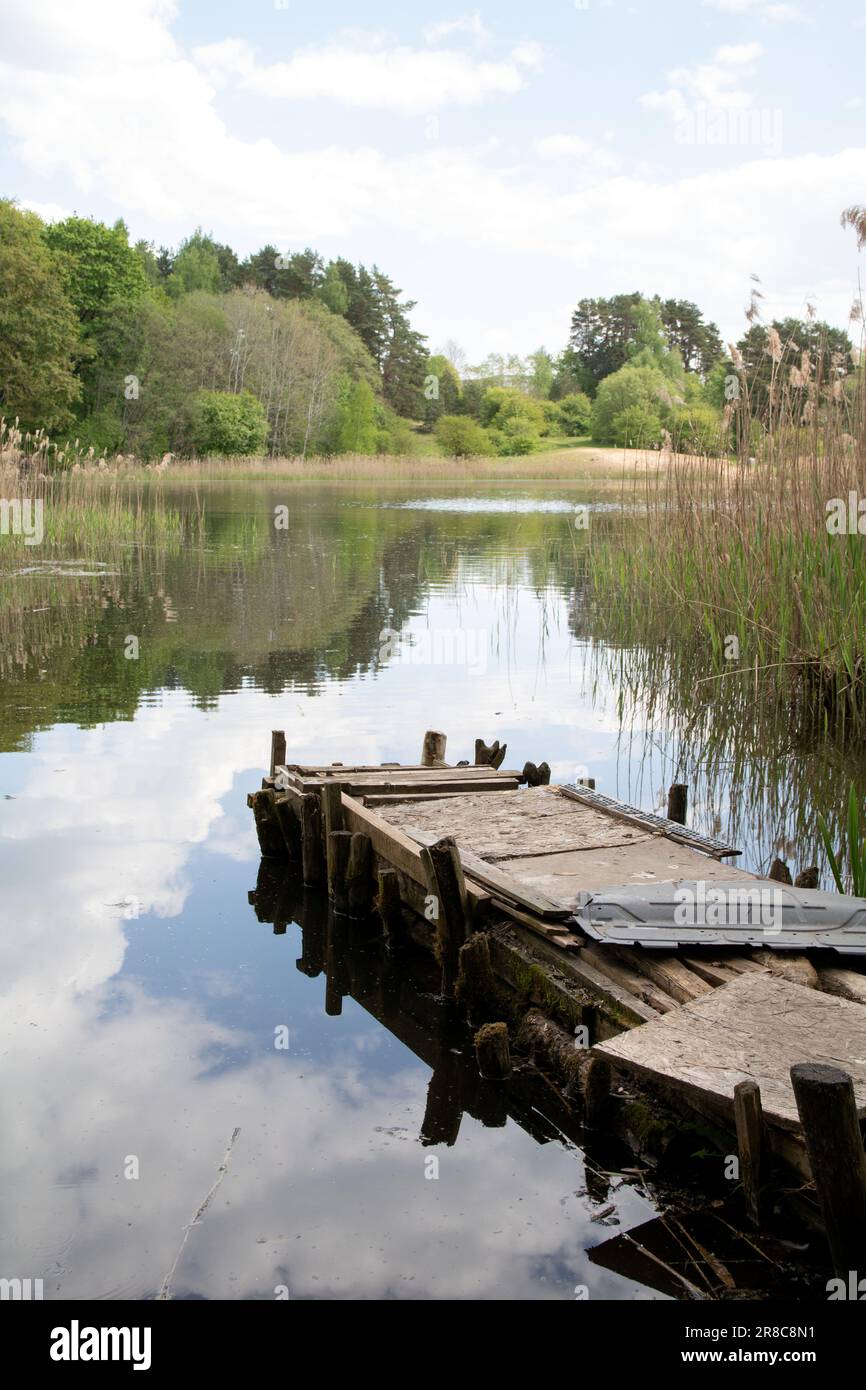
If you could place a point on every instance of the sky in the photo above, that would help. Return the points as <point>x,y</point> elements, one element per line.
<point>499,162</point>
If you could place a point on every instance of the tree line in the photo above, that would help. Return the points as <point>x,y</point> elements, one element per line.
<point>129,348</point>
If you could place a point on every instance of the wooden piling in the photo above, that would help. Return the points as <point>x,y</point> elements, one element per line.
<point>828,1114</point>
<point>339,848</point>
<point>586,782</point>
<point>446,883</point>
<point>287,820</point>
<point>536,776</point>
<point>749,1117</point>
<point>489,755</point>
<point>678,800</point>
<point>596,1093</point>
<point>359,875</point>
<point>312,857</point>
<point>388,905</point>
<point>271,841</point>
<point>493,1051</point>
<point>278,750</point>
<point>332,819</point>
<point>476,983</point>
<point>779,871</point>
<point>433,749</point>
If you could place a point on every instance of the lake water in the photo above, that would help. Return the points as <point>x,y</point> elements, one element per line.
<point>143,997</point>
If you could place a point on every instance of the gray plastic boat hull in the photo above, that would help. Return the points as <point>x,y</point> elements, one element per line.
<point>692,912</point>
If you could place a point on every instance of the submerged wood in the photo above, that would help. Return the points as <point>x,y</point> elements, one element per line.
<point>493,1051</point>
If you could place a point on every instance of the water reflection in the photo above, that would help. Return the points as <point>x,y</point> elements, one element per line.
<point>141,993</point>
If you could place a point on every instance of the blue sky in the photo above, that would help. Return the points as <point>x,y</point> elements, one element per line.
<point>500,162</point>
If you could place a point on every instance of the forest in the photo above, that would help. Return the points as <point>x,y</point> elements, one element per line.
<point>113,347</point>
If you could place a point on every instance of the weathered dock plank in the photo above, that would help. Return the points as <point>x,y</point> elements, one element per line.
<point>754,1028</point>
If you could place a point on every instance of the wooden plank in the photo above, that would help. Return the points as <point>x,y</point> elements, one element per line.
<point>710,970</point>
<point>847,984</point>
<point>451,787</point>
<point>394,846</point>
<point>393,798</point>
<point>645,989</point>
<point>374,775</point>
<point>649,860</point>
<point>603,991</point>
<point>666,971</point>
<point>755,1028</point>
<point>558,933</point>
<point>500,883</point>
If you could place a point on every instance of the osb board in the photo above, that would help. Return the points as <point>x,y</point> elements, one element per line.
<point>754,1028</point>
<point>648,858</point>
<point>535,820</point>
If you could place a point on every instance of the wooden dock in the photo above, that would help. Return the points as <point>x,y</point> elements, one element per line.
<point>486,865</point>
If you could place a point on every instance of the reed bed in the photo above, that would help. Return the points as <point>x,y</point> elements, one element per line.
<point>735,556</point>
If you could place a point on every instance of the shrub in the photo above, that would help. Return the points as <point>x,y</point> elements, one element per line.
<point>460,436</point>
<point>574,413</point>
<point>622,390</point>
<point>636,427</point>
<point>223,423</point>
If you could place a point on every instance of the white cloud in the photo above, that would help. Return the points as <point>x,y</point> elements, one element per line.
<point>776,13</point>
<point>366,73</point>
<point>715,84</point>
<point>465,24</point>
<point>738,54</point>
<point>168,163</point>
<point>574,147</point>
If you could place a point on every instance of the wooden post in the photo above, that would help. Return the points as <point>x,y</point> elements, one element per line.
<point>493,1051</point>
<point>359,874</point>
<point>749,1117</point>
<point>779,871</point>
<point>389,907</point>
<point>271,841</point>
<point>312,857</point>
<point>284,812</point>
<point>828,1114</point>
<point>339,848</point>
<point>536,776</point>
<point>807,878</point>
<point>433,750</point>
<point>489,756</point>
<point>476,983</point>
<point>596,1095</point>
<point>586,782</point>
<point>678,800</point>
<point>278,750</point>
<point>332,818</point>
<point>446,883</point>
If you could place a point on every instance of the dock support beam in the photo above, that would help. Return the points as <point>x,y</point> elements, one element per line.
<point>828,1114</point>
<point>749,1117</point>
<point>433,750</point>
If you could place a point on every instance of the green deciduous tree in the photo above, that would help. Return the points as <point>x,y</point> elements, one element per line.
<point>39,335</point>
<point>100,266</point>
